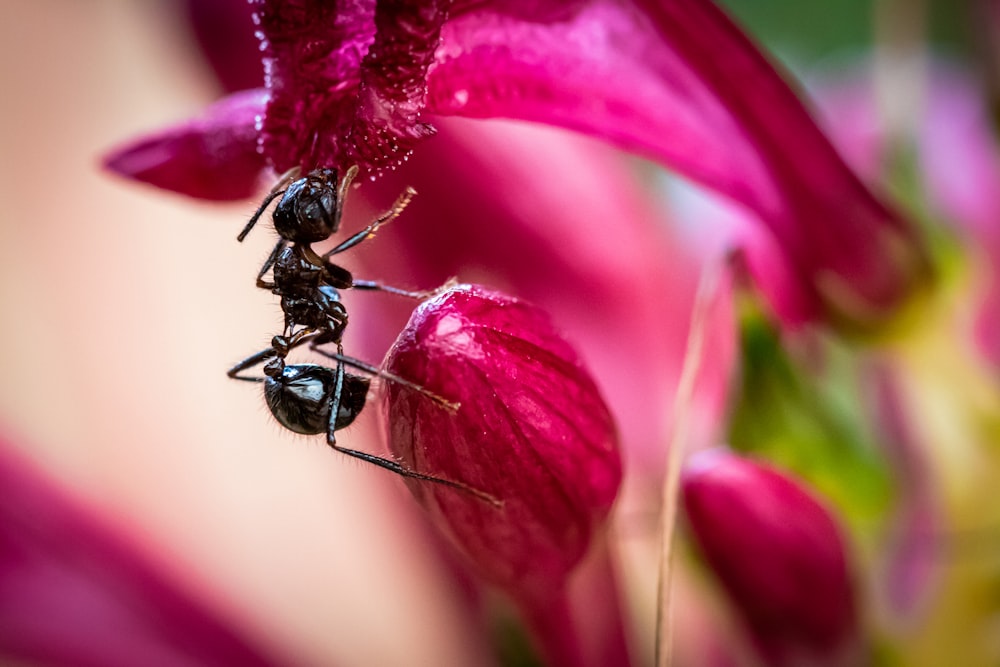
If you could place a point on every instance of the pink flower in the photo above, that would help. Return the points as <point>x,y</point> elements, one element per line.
<point>780,556</point>
<point>368,82</point>
<point>75,591</point>
<point>671,79</point>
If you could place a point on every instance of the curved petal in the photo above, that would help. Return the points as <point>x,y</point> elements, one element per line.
<point>671,79</point>
<point>677,81</point>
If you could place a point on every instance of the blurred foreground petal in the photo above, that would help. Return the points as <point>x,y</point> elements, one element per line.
<point>911,559</point>
<point>73,592</point>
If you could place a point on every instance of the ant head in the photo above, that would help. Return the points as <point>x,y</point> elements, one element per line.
<point>301,397</point>
<point>309,211</point>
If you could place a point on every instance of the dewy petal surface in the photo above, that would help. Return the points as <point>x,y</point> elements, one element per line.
<point>346,79</point>
<point>73,592</point>
<point>532,431</point>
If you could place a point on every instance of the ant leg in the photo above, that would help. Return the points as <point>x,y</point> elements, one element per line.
<point>392,466</point>
<point>250,362</point>
<point>345,183</point>
<point>401,202</point>
<point>263,284</point>
<point>391,377</point>
<point>260,211</point>
<point>276,191</point>
<point>387,464</point>
<point>420,295</point>
<point>338,392</point>
<point>303,336</point>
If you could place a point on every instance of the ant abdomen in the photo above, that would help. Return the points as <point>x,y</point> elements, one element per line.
<point>300,398</point>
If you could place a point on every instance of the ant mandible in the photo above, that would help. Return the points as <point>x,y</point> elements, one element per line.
<point>309,398</point>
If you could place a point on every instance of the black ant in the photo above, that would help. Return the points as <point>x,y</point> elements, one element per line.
<point>309,398</point>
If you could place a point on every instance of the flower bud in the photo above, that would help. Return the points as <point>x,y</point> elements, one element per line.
<point>779,555</point>
<point>531,430</point>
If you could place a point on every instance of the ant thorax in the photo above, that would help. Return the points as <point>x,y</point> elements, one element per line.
<point>299,269</point>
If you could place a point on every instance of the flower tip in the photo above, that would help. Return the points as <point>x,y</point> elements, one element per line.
<point>135,160</point>
<point>160,162</point>
<point>213,157</point>
<point>897,311</point>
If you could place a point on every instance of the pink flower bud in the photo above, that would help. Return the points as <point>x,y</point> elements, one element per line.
<point>531,430</point>
<point>779,555</point>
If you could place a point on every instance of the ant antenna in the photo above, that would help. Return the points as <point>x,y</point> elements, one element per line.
<point>397,207</point>
<point>346,182</point>
<point>276,191</point>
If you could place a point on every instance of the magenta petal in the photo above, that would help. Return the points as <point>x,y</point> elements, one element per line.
<point>224,31</point>
<point>677,81</point>
<point>780,556</point>
<point>213,157</point>
<point>394,80</point>
<point>532,431</point>
<point>74,593</point>
<point>347,79</point>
